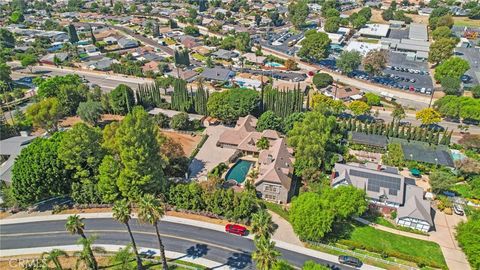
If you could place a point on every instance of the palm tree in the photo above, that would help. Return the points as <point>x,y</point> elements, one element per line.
<point>75,225</point>
<point>262,225</point>
<point>53,256</point>
<point>265,254</point>
<point>122,258</point>
<point>86,253</point>
<point>122,211</point>
<point>150,210</point>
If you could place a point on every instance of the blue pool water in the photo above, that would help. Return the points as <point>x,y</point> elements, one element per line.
<point>273,64</point>
<point>239,171</point>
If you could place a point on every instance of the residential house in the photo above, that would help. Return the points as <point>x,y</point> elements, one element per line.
<point>217,74</point>
<point>344,93</point>
<point>387,191</point>
<point>274,165</point>
<point>126,43</point>
<point>9,151</point>
<point>49,59</point>
<point>253,58</point>
<point>103,64</point>
<point>224,54</point>
<point>150,66</point>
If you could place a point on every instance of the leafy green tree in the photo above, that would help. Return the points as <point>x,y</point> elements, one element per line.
<point>122,211</point>
<point>28,60</point>
<point>262,225</point>
<point>398,113</point>
<point>90,111</point>
<point>314,46</point>
<point>75,225</point>
<point>312,215</point>
<point>441,181</point>
<point>81,152</point>
<point>45,114</point>
<point>359,107</point>
<point>263,143</point>
<point>394,156</point>
<point>468,235</point>
<point>310,218</point>
<point>441,32</point>
<point>50,87</point>
<point>451,86</point>
<point>180,121</point>
<point>268,120</point>
<point>107,185</point>
<point>191,31</point>
<point>17,17</point>
<point>375,61</point>
<point>7,40</point>
<point>453,67</point>
<point>122,99</point>
<point>289,121</point>
<point>372,99</point>
<point>441,50</point>
<point>428,116</point>
<point>151,210</point>
<point>298,13</point>
<point>136,147</point>
<point>359,22</point>
<point>315,140</point>
<point>321,80</point>
<point>349,61</point>
<point>233,103</point>
<point>265,254</point>
<point>5,72</point>
<point>332,24</point>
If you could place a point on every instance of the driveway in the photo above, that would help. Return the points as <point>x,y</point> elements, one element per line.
<point>210,155</point>
<point>445,237</point>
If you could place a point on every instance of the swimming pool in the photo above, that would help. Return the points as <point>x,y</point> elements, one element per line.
<point>239,171</point>
<point>273,64</point>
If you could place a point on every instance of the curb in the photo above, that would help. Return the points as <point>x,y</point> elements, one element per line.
<point>113,248</point>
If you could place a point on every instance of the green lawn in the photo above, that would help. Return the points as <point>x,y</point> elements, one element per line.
<point>395,245</point>
<point>464,21</point>
<point>278,209</point>
<point>198,57</point>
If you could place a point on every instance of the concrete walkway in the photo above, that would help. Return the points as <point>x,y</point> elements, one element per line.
<point>114,248</point>
<point>443,236</point>
<point>279,243</point>
<point>284,231</point>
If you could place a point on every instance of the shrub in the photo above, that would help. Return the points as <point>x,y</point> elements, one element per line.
<point>321,80</point>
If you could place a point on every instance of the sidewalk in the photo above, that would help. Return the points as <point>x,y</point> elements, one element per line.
<point>115,248</point>
<point>279,244</point>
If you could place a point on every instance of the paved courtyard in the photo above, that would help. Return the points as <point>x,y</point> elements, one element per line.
<point>209,155</point>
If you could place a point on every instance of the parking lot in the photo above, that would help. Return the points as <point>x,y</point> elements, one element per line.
<point>400,73</point>
<point>283,42</point>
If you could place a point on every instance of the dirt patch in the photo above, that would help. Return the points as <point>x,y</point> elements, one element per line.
<point>17,262</point>
<point>106,118</point>
<point>4,215</point>
<point>88,210</point>
<point>187,141</point>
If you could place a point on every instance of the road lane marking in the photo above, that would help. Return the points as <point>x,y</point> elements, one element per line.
<point>123,231</point>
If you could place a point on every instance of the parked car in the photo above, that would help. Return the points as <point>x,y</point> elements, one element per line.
<point>236,229</point>
<point>458,209</point>
<point>147,254</point>
<point>349,260</point>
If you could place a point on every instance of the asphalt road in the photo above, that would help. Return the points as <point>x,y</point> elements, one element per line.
<point>230,250</point>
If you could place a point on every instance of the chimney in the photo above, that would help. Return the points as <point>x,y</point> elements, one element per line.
<point>379,167</point>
